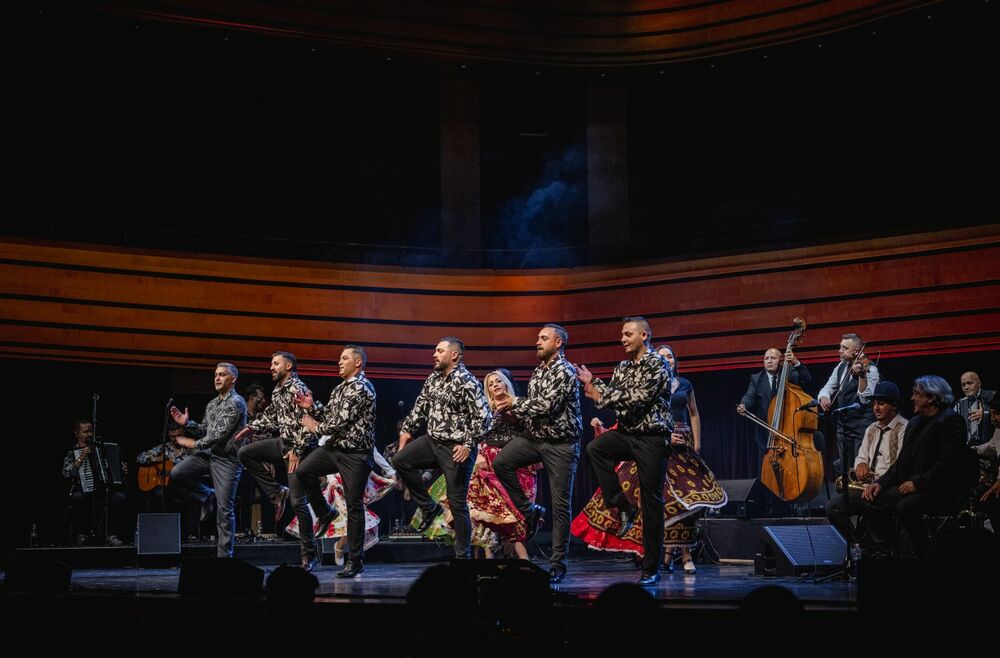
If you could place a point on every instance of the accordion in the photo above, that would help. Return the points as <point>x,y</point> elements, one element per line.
<point>100,468</point>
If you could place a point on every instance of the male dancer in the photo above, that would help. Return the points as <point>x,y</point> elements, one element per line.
<point>453,408</point>
<point>225,416</point>
<point>283,418</point>
<point>636,393</point>
<point>349,420</point>
<point>551,413</point>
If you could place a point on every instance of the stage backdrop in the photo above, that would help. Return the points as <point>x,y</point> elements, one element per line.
<point>140,328</point>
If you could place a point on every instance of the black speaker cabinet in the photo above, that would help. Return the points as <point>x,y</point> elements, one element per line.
<point>219,577</point>
<point>750,499</point>
<point>158,534</point>
<point>792,550</point>
<point>38,574</point>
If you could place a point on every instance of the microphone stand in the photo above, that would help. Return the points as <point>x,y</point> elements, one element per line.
<point>103,473</point>
<point>163,455</point>
<point>840,422</point>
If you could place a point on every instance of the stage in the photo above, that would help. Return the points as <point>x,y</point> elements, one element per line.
<point>390,571</point>
<point>691,614</point>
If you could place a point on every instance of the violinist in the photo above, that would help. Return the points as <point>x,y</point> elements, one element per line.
<point>877,453</point>
<point>764,386</point>
<point>852,381</point>
<point>85,508</point>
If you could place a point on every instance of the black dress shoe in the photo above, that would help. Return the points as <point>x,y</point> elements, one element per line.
<point>351,569</point>
<point>626,519</point>
<point>556,575</point>
<point>649,578</point>
<point>310,563</point>
<point>279,503</point>
<point>323,524</point>
<point>428,519</point>
<point>534,521</point>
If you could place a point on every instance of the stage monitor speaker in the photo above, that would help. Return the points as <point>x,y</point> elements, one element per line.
<point>158,534</point>
<point>219,577</point>
<point>38,574</point>
<point>750,499</point>
<point>487,570</point>
<point>792,550</point>
<point>512,591</point>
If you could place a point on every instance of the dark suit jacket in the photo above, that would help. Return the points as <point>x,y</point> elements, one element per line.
<point>985,430</point>
<point>934,456</point>
<point>758,394</point>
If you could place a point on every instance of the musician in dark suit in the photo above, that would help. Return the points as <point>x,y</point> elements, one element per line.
<point>974,408</point>
<point>930,473</point>
<point>86,509</point>
<point>764,386</point>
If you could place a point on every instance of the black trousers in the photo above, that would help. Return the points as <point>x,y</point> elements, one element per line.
<point>86,513</point>
<point>890,505</point>
<point>303,485</point>
<point>650,453</point>
<point>425,452</point>
<point>560,461</point>
<point>991,508</point>
<point>839,515</point>
<point>254,457</point>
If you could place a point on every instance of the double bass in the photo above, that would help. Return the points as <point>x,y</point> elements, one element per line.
<point>792,468</point>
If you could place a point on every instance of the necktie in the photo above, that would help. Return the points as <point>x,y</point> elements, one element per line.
<point>878,446</point>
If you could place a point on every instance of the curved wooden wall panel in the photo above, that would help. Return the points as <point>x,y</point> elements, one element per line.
<point>587,33</point>
<point>908,295</point>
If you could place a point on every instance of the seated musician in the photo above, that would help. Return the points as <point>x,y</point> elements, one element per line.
<point>153,474</point>
<point>988,492</point>
<point>89,492</point>
<point>929,475</point>
<point>879,449</point>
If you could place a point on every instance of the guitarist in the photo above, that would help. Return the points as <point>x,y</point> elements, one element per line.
<point>153,475</point>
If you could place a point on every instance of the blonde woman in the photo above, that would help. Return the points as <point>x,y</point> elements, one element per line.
<point>496,519</point>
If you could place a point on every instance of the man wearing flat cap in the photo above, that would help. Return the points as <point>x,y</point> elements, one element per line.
<point>878,451</point>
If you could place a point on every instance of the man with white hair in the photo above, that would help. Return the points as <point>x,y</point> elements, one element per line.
<point>928,474</point>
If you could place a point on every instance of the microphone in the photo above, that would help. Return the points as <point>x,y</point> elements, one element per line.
<point>808,405</point>
<point>846,407</point>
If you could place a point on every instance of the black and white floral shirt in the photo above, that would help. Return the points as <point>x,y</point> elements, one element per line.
<point>504,428</point>
<point>224,417</point>
<point>453,409</point>
<point>283,417</point>
<point>636,393</point>
<point>551,410</point>
<point>349,416</point>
